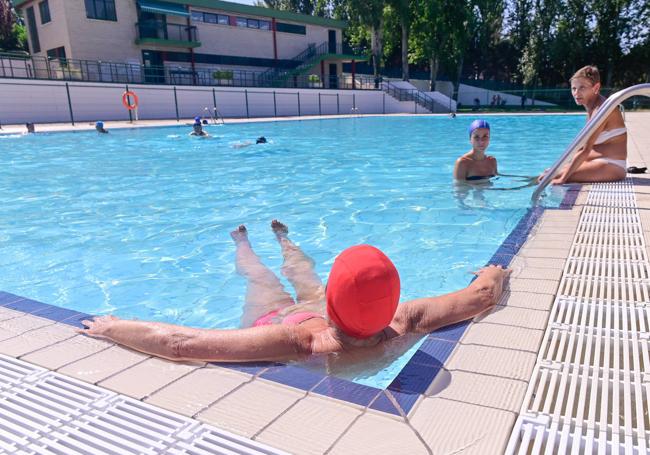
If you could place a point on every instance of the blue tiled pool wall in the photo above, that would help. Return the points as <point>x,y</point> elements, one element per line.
<point>414,379</point>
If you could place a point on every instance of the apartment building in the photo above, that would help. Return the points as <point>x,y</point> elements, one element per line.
<point>179,38</point>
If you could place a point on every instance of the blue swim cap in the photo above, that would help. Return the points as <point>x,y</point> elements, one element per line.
<point>99,124</point>
<point>476,124</point>
<point>197,120</point>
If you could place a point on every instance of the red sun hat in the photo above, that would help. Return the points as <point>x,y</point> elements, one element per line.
<point>362,291</point>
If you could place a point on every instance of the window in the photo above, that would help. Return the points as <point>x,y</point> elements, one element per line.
<point>210,18</point>
<point>265,25</point>
<point>253,23</point>
<point>101,9</point>
<point>58,52</point>
<point>291,28</point>
<point>242,22</point>
<point>44,9</point>
<point>33,32</point>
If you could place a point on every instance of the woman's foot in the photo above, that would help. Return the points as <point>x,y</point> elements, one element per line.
<point>240,234</point>
<point>280,229</point>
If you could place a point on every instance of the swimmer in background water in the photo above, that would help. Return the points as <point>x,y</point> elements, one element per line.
<point>197,128</point>
<point>259,140</point>
<point>99,127</point>
<point>475,164</point>
<point>357,310</point>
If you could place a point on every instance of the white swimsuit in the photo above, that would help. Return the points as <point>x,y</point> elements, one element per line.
<point>606,136</point>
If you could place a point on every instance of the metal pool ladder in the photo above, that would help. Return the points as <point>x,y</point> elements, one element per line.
<point>608,106</point>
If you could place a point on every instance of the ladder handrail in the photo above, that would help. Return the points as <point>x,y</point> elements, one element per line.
<point>608,106</point>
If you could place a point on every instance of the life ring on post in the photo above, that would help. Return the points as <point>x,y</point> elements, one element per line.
<point>127,103</point>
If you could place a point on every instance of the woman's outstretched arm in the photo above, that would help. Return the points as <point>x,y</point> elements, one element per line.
<point>428,314</point>
<point>174,342</point>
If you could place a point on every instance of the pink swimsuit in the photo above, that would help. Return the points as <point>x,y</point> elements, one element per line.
<point>291,319</point>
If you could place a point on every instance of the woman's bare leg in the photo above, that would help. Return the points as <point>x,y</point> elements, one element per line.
<point>298,267</point>
<point>597,171</point>
<point>264,291</point>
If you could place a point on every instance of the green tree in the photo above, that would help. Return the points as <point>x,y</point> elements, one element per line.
<point>12,32</point>
<point>613,20</point>
<point>370,15</point>
<point>402,9</point>
<point>570,48</point>
<point>535,57</point>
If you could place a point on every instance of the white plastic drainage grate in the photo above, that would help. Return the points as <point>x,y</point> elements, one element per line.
<point>590,389</point>
<point>42,412</point>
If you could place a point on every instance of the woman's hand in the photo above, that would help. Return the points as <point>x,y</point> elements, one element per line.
<point>542,175</point>
<point>99,326</point>
<point>559,180</point>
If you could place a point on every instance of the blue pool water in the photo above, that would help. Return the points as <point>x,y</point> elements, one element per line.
<point>136,223</point>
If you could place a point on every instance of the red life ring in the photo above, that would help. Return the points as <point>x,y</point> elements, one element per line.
<point>125,100</point>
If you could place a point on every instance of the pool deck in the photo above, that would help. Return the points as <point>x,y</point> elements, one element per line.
<point>471,407</point>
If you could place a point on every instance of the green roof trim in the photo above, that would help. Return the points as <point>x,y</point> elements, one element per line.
<point>167,42</point>
<point>155,6</point>
<point>261,11</point>
<point>248,9</point>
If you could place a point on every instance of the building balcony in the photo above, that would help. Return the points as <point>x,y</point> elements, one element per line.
<point>163,34</point>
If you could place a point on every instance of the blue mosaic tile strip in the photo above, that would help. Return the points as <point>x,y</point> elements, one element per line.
<point>570,196</point>
<point>405,400</point>
<point>43,310</point>
<point>349,391</point>
<point>75,320</point>
<point>414,378</point>
<point>439,350</point>
<point>640,182</point>
<point>383,404</point>
<point>451,332</point>
<point>6,297</point>
<point>293,376</point>
<point>252,368</point>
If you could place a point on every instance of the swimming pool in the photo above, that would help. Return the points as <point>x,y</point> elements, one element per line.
<point>136,223</point>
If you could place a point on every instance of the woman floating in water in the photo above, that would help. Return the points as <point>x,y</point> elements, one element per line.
<point>603,157</point>
<point>475,164</point>
<point>358,309</point>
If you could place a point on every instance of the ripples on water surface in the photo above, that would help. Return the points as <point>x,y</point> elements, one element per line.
<point>136,223</point>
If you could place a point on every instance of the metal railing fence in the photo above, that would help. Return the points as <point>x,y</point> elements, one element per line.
<point>539,100</point>
<point>32,67</point>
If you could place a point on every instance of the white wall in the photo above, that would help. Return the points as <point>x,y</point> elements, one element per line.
<point>467,94</point>
<point>47,101</point>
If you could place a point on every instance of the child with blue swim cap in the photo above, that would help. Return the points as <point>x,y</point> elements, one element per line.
<point>475,164</point>
<point>99,127</point>
<point>197,128</point>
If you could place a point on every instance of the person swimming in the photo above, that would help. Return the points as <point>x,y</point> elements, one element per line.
<point>241,145</point>
<point>99,127</point>
<point>197,128</point>
<point>475,165</point>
